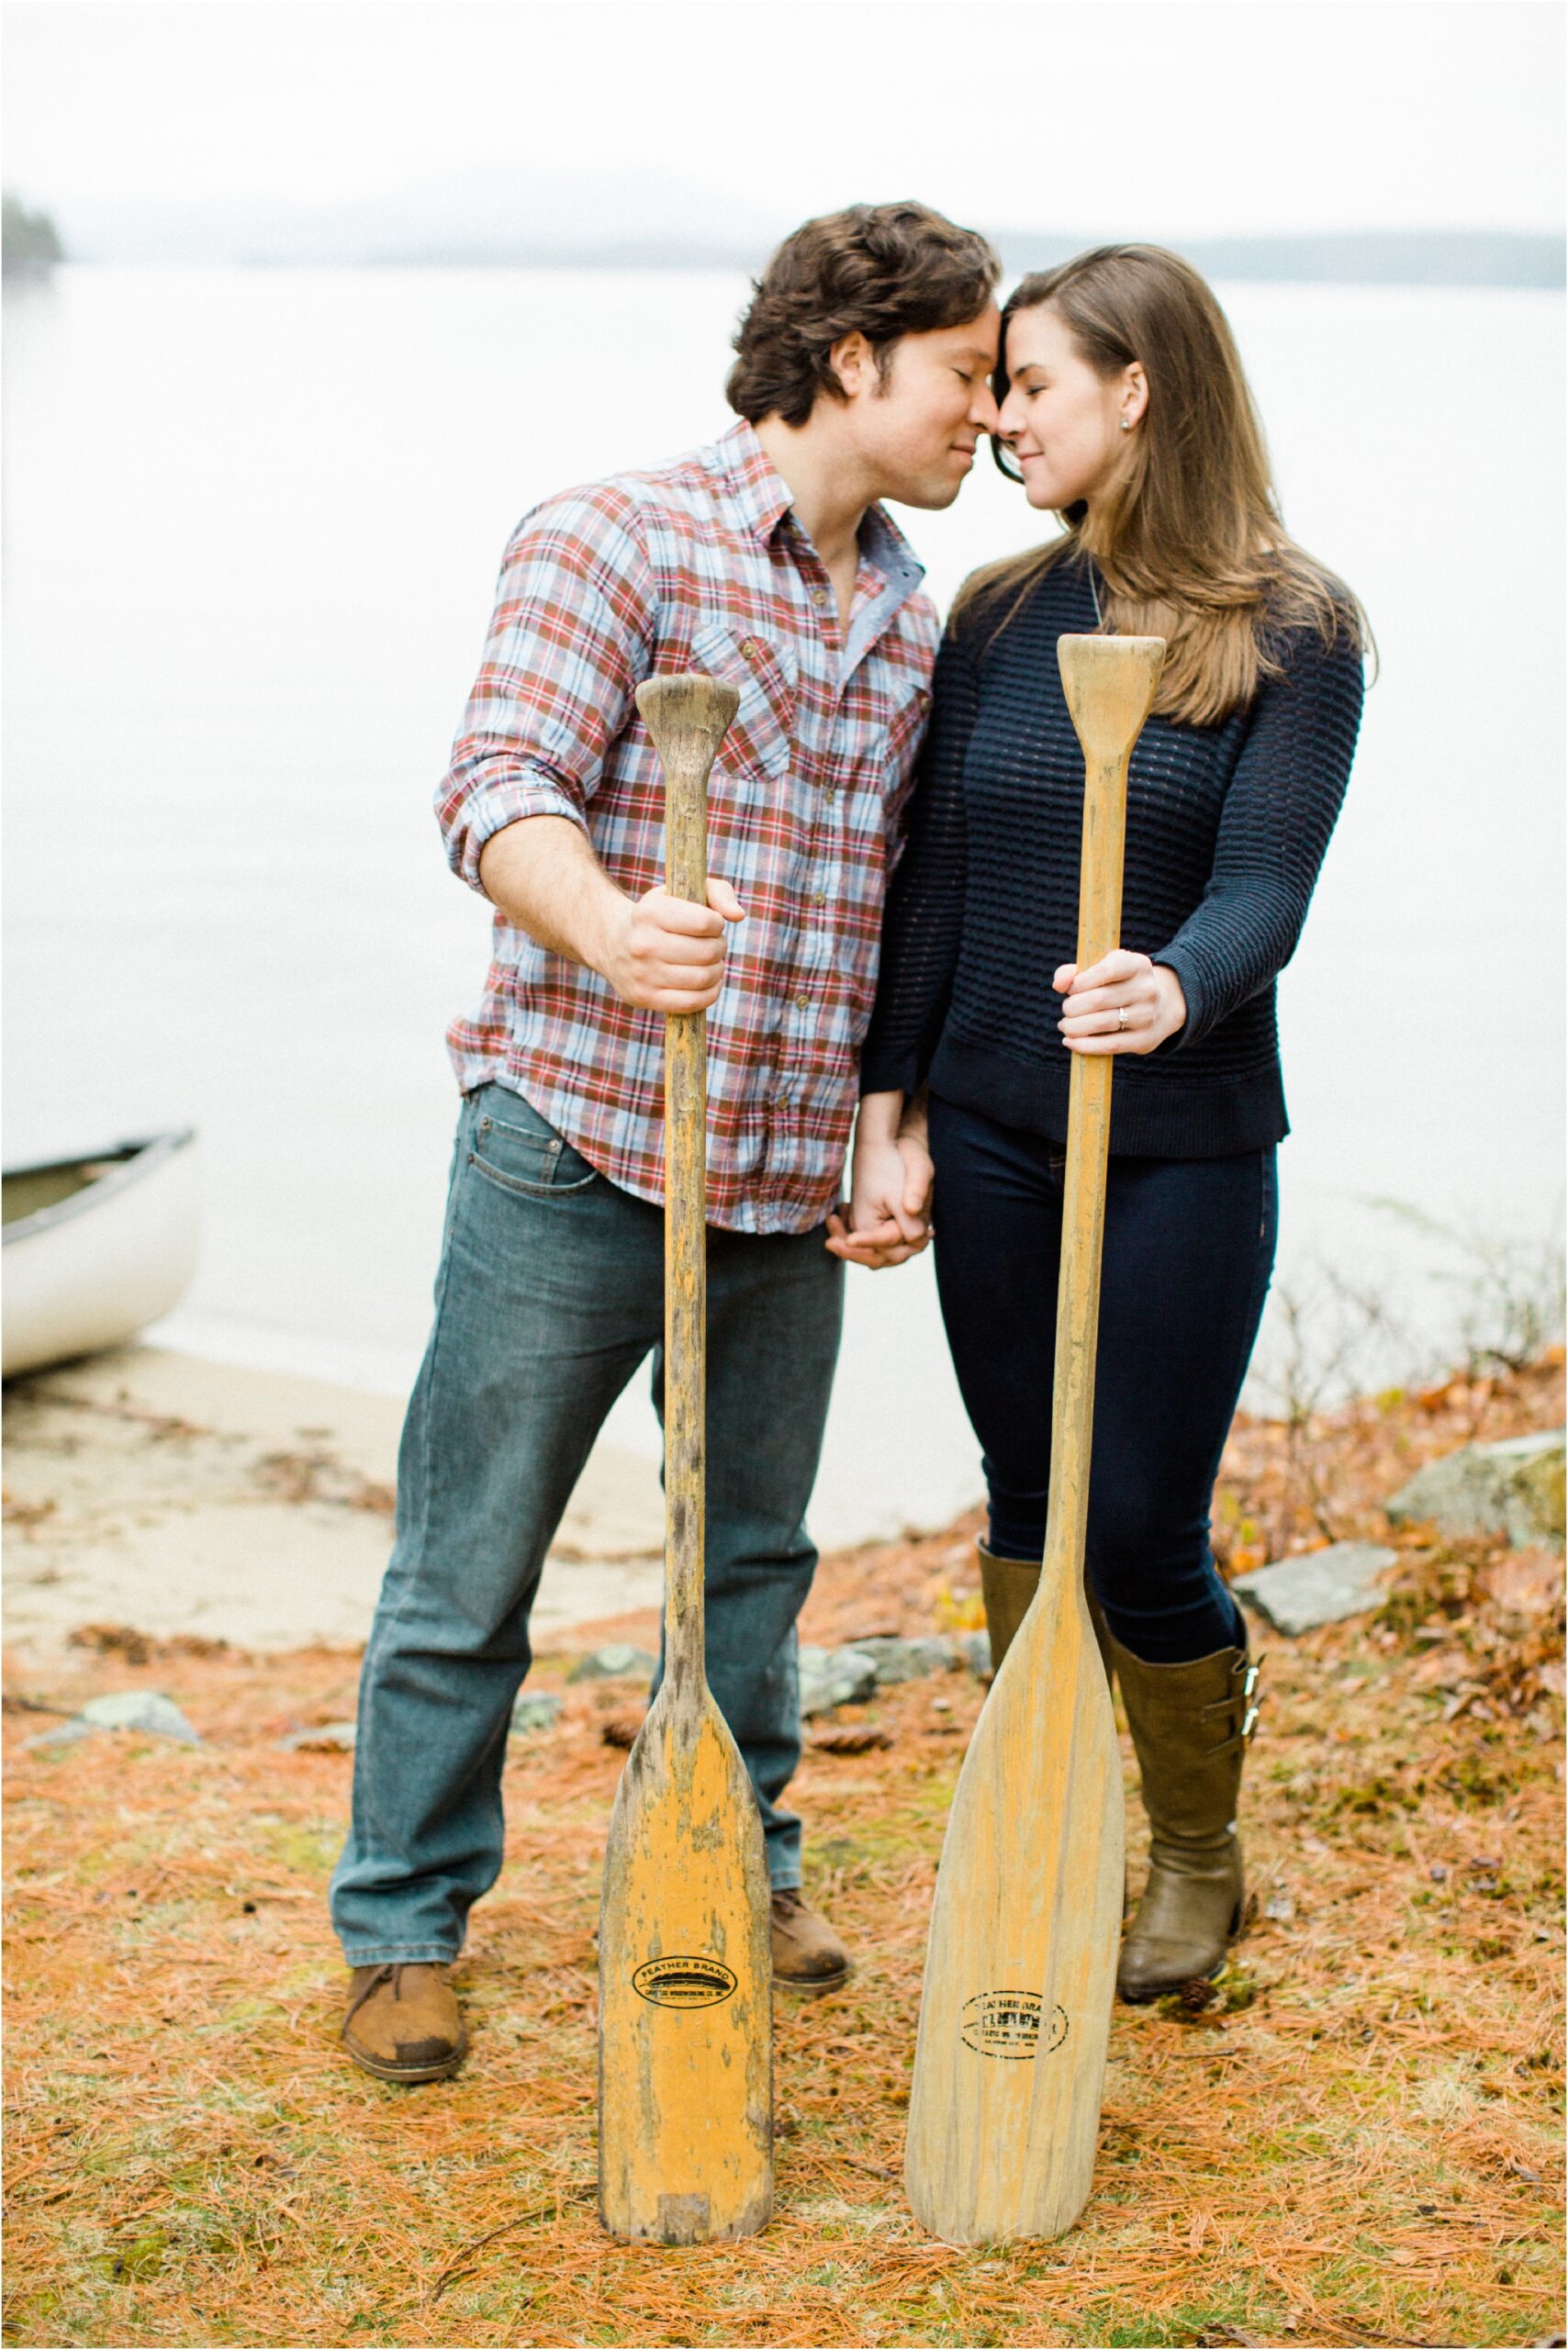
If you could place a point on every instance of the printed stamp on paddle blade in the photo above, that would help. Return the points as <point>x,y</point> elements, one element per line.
<point>681,1981</point>
<point>1012,2024</point>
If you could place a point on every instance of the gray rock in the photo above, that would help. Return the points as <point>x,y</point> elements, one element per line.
<point>976,1650</point>
<point>618,1661</point>
<point>540,1709</point>
<point>323,1738</point>
<point>898,1659</point>
<point>831,1677</point>
<point>64,1733</point>
<point>139,1709</point>
<point>1514,1489</point>
<point>1322,1587</point>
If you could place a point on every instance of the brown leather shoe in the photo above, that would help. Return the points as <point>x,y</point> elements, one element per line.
<point>807,1954</point>
<point>404,2023</point>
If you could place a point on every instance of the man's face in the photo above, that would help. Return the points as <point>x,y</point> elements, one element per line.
<point>915,428</point>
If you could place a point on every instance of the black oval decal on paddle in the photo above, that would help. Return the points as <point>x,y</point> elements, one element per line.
<point>1012,2024</point>
<point>681,1981</point>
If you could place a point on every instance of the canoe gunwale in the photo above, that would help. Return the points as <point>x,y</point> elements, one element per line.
<point>138,1159</point>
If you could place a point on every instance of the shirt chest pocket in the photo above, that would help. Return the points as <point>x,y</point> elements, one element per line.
<point>900,741</point>
<point>762,732</point>
<point>897,753</point>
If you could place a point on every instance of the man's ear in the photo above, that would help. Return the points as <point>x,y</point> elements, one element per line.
<point>854,362</point>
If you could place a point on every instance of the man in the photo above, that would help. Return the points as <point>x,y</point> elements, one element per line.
<point>765,560</point>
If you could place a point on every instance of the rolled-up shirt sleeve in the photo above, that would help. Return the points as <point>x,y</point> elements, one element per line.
<point>570,638</point>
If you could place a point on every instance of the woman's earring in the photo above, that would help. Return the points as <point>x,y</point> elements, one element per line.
<point>1127,424</point>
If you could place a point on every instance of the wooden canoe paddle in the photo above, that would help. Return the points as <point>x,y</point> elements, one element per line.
<point>1020,1971</point>
<point>685,1953</point>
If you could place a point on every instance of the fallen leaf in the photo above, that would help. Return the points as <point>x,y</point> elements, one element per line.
<point>113,1640</point>
<point>849,1741</point>
<point>1528,1583</point>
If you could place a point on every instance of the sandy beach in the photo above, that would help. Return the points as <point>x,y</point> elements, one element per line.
<point>180,1496</point>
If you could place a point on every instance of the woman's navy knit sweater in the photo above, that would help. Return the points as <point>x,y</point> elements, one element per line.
<point>1226,828</point>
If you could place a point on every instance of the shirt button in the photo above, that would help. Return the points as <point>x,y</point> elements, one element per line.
<point>819,596</point>
<point>818,897</point>
<point>803,1003</point>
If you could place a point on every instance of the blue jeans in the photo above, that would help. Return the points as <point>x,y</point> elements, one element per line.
<point>550,1293</point>
<point>1189,1249</point>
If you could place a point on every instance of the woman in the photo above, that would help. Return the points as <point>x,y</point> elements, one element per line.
<point>1124,409</point>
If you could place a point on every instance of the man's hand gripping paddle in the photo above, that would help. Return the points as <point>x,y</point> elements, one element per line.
<point>1021,1967</point>
<point>685,1959</point>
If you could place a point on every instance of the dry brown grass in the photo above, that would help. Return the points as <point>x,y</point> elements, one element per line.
<point>1357,2142</point>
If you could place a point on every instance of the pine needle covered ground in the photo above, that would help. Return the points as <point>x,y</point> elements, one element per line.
<point>1356,2142</point>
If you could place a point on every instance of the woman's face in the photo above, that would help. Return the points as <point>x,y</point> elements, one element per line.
<point>1061,420</point>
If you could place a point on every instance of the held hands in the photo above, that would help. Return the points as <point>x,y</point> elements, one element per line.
<point>887,1218</point>
<point>1123,1003</point>
<point>665,954</point>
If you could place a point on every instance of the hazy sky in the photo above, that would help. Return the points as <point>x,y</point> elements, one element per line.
<point>1195,117</point>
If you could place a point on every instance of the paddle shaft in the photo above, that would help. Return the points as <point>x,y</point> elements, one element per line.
<point>686,1268</point>
<point>687,716</point>
<point>1109,684</point>
<point>1083,1197</point>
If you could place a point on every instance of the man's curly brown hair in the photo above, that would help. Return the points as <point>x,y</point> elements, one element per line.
<point>887,270</point>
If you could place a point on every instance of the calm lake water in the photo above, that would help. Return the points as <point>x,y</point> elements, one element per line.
<point>251,523</point>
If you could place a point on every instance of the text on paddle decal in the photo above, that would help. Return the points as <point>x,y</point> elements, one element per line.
<point>683,1982</point>
<point>1011,2023</point>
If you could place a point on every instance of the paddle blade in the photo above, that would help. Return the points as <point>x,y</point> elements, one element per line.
<point>685,1990</point>
<point>1020,1970</point>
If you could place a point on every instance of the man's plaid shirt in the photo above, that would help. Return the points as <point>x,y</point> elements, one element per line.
<point>699,565</point>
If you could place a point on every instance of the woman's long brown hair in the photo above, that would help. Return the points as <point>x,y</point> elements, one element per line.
<point>1187,536</point>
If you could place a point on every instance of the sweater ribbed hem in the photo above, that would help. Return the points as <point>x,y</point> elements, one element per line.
<point>1211,1121</point>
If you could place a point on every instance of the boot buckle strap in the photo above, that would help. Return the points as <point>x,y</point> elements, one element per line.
<point>1249,1677</point>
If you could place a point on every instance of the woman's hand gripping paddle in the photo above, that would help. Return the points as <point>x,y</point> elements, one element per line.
<point>685,1958</point>
<point>1021,1967</point>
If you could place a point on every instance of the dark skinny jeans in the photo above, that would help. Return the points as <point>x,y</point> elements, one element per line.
<point>1189,1249</point>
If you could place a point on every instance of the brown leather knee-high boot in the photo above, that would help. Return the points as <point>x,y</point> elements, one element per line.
<point>1190,1724</point>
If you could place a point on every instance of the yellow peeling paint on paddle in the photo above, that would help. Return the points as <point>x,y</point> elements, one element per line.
<point>685,1960</point>
<point>1020,1971</point>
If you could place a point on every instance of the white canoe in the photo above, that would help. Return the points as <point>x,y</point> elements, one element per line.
<point>95,1247</point>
